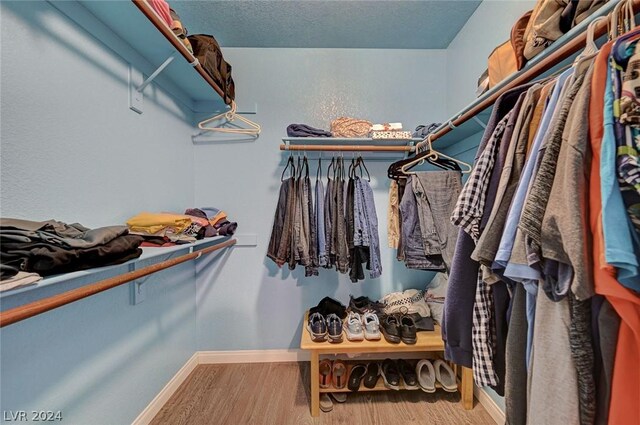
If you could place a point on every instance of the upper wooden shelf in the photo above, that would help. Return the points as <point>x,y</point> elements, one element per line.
<point>132,28</point>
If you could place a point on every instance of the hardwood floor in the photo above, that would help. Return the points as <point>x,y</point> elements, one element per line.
<point>278,394</point>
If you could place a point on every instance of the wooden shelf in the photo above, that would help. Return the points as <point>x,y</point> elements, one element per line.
<point>379,387</point>
<point>427,342</point>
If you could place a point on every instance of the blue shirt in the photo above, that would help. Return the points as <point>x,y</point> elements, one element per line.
<point>621,245</point>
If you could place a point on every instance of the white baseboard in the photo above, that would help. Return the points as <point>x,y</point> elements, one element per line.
<point>252,356</point>
<point>147,415</point>
<point>489,405</point>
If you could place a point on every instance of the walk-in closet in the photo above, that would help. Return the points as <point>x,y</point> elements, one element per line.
<point>266,212</point>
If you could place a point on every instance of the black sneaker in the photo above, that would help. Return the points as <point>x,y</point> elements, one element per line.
<point>408,330</point>
<point>317,327</point>
<point>390,374</point>
<point>391,329</point>
<point>408,375</point>
<point>334,326</point>
<point>364,304</point>
<point>328,306</point>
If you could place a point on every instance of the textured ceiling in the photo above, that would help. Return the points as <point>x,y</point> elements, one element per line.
<point>390,24</point>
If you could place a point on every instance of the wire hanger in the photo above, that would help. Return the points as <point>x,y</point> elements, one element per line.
<point>432,154</point>
<point>229,116</point>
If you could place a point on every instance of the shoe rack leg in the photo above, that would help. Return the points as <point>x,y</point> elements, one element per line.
<point>315,383</point>
<point>466,390</point>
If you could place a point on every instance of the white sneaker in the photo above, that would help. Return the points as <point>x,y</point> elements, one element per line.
<point>371,326</point>
<point>353,327</point>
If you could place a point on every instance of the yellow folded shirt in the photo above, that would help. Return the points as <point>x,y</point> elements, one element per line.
<point>153,223</point>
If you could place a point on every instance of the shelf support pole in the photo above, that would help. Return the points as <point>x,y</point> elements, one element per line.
<point>155,73</point>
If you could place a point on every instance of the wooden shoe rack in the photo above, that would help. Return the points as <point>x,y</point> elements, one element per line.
<point>428,342</point>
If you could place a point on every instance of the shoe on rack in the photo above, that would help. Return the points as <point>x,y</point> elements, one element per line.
<point>326,405</point>
<point>339,397</point>
<point>364,304</point>
<point>408,374</point>
<point>422,323</point>
<point>371,326</point>
<point>317,327</point>
<point>325,373</point>
<point>328,306</point>
<point>353,328</point>
<point>445,375</point>
<point>391,329</point>
<point>355,376</point>
<point>372,375</point>
<point>426,376</point>
<point>408,330</point>
<point>390,374</point>
<point>339,374</point>
<point>334,328</point>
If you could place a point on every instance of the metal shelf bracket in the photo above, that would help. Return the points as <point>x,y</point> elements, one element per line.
<point>136,95</point>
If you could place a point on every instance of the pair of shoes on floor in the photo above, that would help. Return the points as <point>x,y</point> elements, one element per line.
<point>428,373</point>
<point>393,371</point>
<point>321,328</point>
<point>333,373</point>
<point>326,402</point>
<point>362,326</point>
<point>364,304</point>
<point>399,327</point>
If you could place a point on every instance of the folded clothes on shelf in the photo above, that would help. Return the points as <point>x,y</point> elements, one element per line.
<point>52,247</point>
<point>303,130</point>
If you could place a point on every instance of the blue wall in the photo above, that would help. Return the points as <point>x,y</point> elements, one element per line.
<point>262,306</point>
<point>72,150</point>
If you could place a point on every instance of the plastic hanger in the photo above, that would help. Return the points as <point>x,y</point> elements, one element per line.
<point>293,168</point>
<point>360,164</point>
<point>591,48</point>
<point>230,116</point>
<point>432,154</point>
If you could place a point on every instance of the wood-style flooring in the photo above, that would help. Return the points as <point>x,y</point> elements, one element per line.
<point>278,394</point>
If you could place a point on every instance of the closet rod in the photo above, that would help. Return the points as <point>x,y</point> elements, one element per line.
<point>350,148</point>
<point>157,22</point>
<point>572,46</point>
<point>46,304</point>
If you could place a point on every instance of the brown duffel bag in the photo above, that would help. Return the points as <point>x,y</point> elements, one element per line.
<point>207,50</point>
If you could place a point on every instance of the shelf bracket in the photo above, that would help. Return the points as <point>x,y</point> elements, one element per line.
<point>138,288</point>
<point>479,121</point>
<point>136,95</point>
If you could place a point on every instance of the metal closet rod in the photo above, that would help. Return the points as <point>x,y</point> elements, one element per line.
<point>349,148</point>
<point>548,62</point>
<point>152,16</point>
<point>47,304</point>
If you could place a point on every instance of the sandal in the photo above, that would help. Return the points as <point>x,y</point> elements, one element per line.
<point>325,373</point>
<point>355,376</point>
<point>339,375</point>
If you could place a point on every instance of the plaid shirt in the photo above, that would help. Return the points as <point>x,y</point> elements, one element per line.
<point>470,206</point>
<point>482,336</point>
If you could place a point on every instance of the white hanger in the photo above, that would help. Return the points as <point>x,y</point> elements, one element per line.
<point>591,48</point>
<point>433,154</point>
<point>230,116</point>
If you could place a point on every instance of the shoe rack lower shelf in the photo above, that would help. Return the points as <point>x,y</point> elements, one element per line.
<point>379,387</point>
<point>426,342</point>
